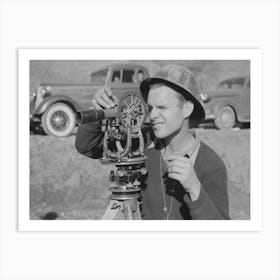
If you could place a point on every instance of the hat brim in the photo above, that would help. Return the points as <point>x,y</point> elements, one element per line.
<point>198,114</point>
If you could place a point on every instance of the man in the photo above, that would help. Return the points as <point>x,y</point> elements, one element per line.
<point>140,76</point>
<point>186,178</point>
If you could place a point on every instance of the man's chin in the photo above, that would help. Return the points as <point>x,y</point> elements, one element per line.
<point>163,134</point>
<point>159,135</point>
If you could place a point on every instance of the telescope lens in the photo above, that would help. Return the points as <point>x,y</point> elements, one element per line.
<point>79,117</point>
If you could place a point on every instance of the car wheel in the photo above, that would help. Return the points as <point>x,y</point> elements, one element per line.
<point>58,120</point>
<point>225,118</point>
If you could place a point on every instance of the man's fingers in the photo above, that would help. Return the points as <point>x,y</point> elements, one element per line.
<point>112,97</point>
<point>182,164</point>
<point>108,96</point>
<point>102,102</point>
<point>96,105</point>
<point>116,99</point>
<point>178,161</point>
<point>105,98</point>
<point>110,103</point>
<point>175,157</point>
<point>108,91</point>
<point>176,169</point>
<point>175,176</point>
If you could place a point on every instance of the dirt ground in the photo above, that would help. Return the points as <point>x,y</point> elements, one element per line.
<point>67,185</point>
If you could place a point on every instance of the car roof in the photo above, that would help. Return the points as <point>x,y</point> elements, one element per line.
<point>235,78</point>
<point>120,65</point>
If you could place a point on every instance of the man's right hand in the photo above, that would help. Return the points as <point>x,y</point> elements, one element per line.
<point>104,99</point>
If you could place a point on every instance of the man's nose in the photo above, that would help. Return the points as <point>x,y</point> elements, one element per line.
<point>147,120</point>
<point>153,114</point>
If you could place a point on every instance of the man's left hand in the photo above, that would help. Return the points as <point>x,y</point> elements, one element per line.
<point>181,169</point>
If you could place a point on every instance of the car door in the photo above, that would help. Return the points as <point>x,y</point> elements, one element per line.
<point>123,80</point>
<point>116,81</point>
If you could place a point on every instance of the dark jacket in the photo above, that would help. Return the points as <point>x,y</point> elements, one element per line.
<point>212,203</point>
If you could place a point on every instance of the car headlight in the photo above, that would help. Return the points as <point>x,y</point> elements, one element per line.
<point>45,93</point>
<point>32,96</point>
<point>204,97</point>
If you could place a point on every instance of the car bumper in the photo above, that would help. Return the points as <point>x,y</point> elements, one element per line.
<point>33,117</point>
<point>208,114</point>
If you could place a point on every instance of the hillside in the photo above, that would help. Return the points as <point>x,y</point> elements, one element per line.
<point>75,187</point>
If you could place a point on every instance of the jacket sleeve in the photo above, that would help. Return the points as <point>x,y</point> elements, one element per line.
<point>212,203</point>
<point>89,140</point>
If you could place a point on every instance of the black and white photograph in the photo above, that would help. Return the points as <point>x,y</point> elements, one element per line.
<point>140,139</point>
<point>65,185</point>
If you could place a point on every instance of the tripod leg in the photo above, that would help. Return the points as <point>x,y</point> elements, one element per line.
<point>128,211</point>
<point>137,214</point>
<point>113,210</point>
<point>131,210</point>
<point>122,210</point>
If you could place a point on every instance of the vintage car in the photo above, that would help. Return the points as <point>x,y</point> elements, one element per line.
<point>53,106</point>
<point>229,103</point>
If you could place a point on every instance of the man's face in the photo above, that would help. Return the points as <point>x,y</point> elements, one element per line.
<point>166,113</point>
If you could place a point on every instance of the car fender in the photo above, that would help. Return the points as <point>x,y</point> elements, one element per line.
<point>223,103</point>
<point>44,105</point>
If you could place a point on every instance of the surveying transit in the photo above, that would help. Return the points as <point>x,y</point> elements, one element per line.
<point>123,146</point>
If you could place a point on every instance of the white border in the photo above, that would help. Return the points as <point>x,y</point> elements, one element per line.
<point>25,55</point>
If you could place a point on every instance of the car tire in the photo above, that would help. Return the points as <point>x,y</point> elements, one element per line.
<point>58,120</point>
<point>225,118</point>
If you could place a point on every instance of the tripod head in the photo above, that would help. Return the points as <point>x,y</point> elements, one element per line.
<point>123,143</point>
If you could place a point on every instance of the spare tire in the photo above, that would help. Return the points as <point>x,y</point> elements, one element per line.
<point>58,120</point>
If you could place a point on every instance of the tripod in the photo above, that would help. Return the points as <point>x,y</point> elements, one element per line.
<point>125,191</point>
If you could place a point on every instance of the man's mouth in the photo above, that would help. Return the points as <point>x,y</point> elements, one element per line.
<point>156,124</point>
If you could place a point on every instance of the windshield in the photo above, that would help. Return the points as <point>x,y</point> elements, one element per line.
<point>99,77</point>
<point>232,84</point>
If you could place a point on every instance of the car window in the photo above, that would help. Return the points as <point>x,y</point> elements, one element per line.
<point>223,85</point>
<point>138,77</point>
<point>99,77</point>
<point>237,83</point>
<point>116,77</point>
<point>128,76</point>
<point>232,84</point>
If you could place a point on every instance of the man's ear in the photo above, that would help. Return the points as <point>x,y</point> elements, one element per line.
<point>188,109</point>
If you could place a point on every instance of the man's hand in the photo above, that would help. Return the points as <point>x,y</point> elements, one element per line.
<point>104,99</point>
<point>181,169</point>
